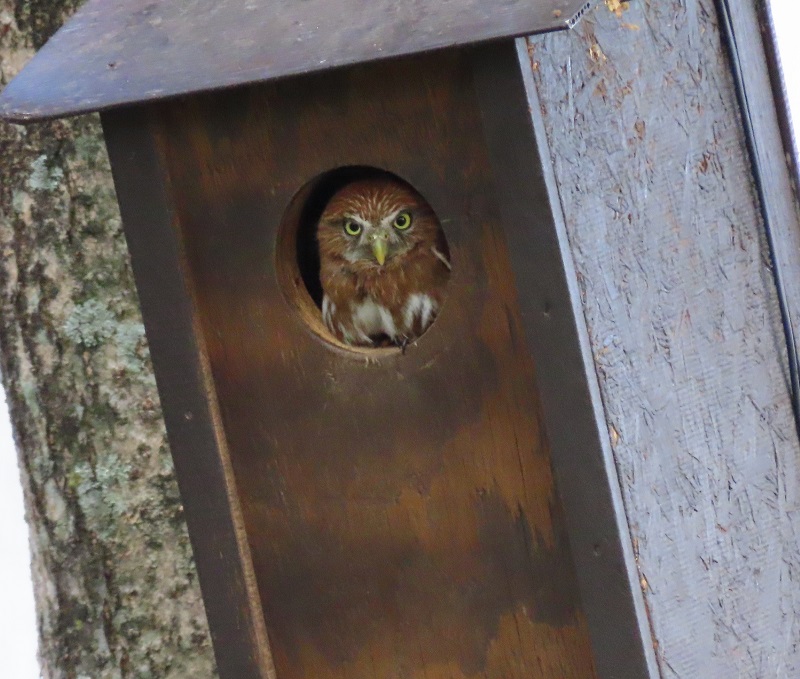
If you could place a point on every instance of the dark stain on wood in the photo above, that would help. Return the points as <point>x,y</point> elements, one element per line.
<point>401,511</point>
<point>461,595</point>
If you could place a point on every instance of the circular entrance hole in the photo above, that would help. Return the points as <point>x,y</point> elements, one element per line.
<point>363,259</point>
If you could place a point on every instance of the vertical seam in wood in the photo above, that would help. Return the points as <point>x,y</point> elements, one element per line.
<point>597,404</point>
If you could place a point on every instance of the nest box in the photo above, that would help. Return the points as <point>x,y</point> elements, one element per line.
<point>445,511</point>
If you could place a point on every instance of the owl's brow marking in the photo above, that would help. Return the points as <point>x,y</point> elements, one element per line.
<point>358,219</point>
<point>391,216</point>
<point>377,202</point>
<point>383,205</point>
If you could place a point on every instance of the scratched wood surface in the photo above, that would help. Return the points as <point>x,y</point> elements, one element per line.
<point>401,512</point>
<point>657,191</point>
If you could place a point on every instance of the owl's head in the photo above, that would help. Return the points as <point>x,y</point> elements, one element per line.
<point>374,222</point>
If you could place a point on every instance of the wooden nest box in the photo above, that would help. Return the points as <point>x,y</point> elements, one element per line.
<point>442,512</point>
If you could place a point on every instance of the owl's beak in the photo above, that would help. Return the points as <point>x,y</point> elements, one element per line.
<point>379,248</point>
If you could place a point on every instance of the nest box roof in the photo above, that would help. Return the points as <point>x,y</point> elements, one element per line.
<point>117,52</point>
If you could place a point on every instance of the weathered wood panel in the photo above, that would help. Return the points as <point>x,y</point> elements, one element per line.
<point>135,51</point>
<point>401,511</point>
<point>665,229</point>
<point>556,332</point>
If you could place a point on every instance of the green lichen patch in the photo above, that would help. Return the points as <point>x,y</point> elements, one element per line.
<point>116,586</point>
<point>90,324</point>
<point>44,175</point>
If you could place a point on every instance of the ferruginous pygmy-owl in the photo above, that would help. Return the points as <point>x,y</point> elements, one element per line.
<point>384,263</point>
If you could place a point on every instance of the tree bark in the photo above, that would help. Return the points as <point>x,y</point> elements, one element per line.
<point>115,585</point>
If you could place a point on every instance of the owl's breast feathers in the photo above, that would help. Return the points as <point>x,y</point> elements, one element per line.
<point>364,305</point>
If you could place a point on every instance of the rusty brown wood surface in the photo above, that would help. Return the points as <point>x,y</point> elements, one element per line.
<point>572,409</point>
<point>401,512</point>
<point>114,53</point>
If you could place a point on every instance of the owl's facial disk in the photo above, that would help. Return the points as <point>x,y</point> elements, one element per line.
<point>372,223</point>
<point>377,240</point>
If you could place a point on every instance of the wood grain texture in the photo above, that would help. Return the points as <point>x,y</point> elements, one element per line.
<point>132,51</point>
<point>666,234</point>
<point>401,512</point>
<point>572,409</point>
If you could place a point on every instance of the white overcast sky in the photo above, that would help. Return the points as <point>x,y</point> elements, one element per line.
<point>17,617</point>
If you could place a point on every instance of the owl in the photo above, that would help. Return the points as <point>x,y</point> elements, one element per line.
<point>384,263</point>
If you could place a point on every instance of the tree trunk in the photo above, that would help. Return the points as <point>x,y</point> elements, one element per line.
<point>115,585</point>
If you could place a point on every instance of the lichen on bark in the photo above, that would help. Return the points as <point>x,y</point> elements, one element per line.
<point>116,588</point>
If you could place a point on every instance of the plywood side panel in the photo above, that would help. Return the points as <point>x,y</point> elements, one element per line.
<point>666,233</point>
<point>401,512</point>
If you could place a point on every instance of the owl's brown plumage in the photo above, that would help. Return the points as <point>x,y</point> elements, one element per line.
<point>384,263</point>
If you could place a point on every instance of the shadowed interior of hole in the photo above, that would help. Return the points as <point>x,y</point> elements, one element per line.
<point>323,189</point>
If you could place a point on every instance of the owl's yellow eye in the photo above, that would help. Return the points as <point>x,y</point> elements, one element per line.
<point>402,221</point>
<point>352,228</point>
